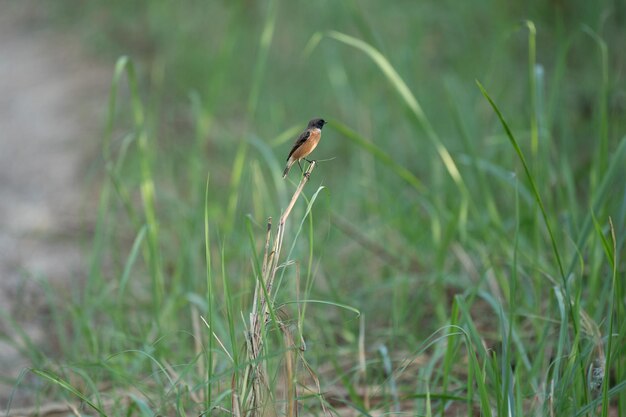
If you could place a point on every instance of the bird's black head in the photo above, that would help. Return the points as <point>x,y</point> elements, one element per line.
<point>318,123</point>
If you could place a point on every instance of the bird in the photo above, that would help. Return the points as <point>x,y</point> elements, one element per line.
<point>304,145</point>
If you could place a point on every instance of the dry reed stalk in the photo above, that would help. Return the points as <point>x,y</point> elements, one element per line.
<point>255,376</point>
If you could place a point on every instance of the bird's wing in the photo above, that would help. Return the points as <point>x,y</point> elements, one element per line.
<point>301,139</point>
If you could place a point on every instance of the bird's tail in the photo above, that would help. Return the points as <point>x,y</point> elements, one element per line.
<point>287,168</point>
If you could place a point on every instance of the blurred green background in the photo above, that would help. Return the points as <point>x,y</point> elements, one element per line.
<point>224,87</point>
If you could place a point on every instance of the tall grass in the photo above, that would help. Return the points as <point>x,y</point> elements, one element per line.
<point>476,230</point>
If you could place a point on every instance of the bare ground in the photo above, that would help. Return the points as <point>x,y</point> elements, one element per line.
<point>51,102</point>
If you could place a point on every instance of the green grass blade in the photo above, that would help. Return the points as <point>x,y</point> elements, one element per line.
<point>409,99</point>
<point>230,313</point>
<point>380,155</point>
<point>123,65</point>
<point>612,256</point>
<point>615,171</point>
<point>531,180</point>
<point>618,388</point>
<point>532,60</point>
<point>476,351</point>
<point>209,294</point>
<point>356,311</point>
<point>391,380</point>
<point>57,380</point>
<point>144,408</point>
<point>309,207</point>
<point>148,197</point>
<point>130,262</point>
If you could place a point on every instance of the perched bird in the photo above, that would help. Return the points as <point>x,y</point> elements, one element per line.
<point>306,142</point>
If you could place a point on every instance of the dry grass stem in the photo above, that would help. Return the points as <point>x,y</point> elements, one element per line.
<point>255,376</point>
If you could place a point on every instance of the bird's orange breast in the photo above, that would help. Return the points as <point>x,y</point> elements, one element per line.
<point>308,146</point>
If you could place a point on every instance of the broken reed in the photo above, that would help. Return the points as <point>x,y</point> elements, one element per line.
<point>255,376</point>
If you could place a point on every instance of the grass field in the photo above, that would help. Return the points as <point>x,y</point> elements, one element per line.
<point>458,249</point>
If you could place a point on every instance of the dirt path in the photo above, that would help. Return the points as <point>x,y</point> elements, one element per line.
<point>51,101</point>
